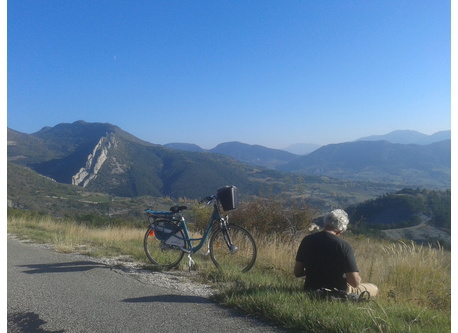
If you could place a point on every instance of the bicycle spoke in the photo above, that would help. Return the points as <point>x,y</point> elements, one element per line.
<point>240,257</point>
<point>159,253</point>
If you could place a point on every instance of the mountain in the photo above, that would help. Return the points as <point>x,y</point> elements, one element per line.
<point>301,148</point>
<point>104,158</point>
<point>408,137</point>
<point>185,146</point>
<point>24,148</point>
<point>254,154</point>
<point>277,158</point>
<point>409,165</point>
<point>251,154</point>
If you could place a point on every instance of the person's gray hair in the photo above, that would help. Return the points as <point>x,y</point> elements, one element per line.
<point>337,220</point>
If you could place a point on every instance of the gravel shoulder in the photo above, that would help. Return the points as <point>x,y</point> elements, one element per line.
<point>176,280</point>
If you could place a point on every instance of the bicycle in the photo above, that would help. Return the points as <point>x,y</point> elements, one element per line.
<point>230,246</point>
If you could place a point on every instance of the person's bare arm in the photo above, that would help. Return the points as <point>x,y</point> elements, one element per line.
<point>353,279</point>
<point>299,269</point>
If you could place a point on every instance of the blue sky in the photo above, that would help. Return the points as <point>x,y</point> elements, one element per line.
<point>263,72</point>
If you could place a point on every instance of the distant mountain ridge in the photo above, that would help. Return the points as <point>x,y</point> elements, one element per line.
<point>408,137</point>
<point>424,165</point>
<point>185,147</point>
<point>420,160</point>
<point>301,148</point>
<point>399,136</point>
<point>102,157</point>
<point>254,154</point>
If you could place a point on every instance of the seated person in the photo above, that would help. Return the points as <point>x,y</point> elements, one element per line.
<point>327,261</point>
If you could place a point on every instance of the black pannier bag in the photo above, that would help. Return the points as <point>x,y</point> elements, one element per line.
<point>164,229</point>
<point>227,196</point>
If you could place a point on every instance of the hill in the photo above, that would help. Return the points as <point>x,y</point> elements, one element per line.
<point>404,208</point>
<point>185,146</point>
<point>408,137</point>
<point>32,192</point>
<point>420,215</point>
<point>406,158</point>
<point>103,158</point>
<point>409,165</point>
<point>301,148</point>
<point>254,154</point>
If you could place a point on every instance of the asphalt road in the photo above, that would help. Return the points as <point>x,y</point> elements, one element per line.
<point>55,292</point>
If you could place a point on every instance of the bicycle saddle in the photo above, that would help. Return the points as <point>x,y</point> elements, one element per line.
<point>177,209</point>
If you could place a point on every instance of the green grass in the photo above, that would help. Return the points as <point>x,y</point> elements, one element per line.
<point>283,302</point>
<point>414,281</point>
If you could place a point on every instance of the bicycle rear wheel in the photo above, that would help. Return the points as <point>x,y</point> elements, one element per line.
<point>159,253</point>
<point>241,257</point>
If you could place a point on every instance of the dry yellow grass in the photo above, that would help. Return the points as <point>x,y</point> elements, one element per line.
<point>403,271</point>
<point>68,236</point>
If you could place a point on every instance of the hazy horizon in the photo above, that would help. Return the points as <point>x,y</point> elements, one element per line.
<point>290,147</point>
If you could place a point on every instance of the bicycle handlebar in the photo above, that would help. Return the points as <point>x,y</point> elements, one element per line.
<point>208,199</point>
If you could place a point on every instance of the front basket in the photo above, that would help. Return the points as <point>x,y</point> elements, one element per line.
<point>227,196</point>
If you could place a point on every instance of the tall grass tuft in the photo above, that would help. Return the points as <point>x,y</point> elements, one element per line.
<point>69,236</point>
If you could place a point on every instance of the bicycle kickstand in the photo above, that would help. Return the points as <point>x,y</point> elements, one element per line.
<point>191,262</point>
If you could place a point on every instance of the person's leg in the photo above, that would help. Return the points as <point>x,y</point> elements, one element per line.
<point>369,287</point>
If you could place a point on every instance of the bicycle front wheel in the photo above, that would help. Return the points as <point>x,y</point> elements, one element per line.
<point>159,253</point>
<point>241,256</point>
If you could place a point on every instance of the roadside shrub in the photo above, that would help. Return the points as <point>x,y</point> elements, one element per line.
<point>274,214</point>
<point>198,217</point>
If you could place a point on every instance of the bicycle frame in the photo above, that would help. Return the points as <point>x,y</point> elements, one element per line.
<point>216,216</point>
<point>189,248</point>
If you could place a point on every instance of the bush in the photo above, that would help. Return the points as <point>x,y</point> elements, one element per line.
<point>274,214</point>
<point>198,217</point>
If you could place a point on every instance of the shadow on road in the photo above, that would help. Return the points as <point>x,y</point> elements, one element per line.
<point>65,267</point>
<point>26,322</point>
<point>168,299</point>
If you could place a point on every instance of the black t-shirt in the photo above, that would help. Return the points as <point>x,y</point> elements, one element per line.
<point>326,259</point>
